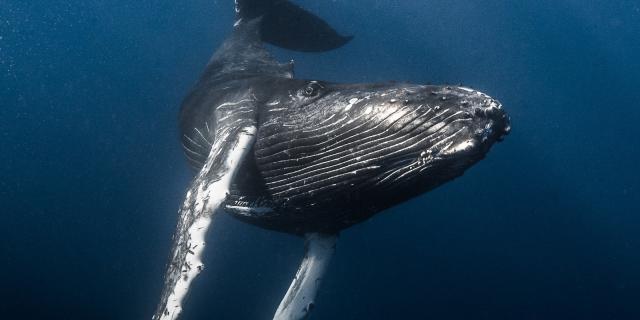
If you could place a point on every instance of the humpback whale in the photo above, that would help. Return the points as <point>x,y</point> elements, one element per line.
<point>310,157</point>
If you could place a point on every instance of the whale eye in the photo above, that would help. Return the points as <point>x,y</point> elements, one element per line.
<point>311,90</point>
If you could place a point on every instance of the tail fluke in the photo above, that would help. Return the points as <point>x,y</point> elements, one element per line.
<point>288,26</point>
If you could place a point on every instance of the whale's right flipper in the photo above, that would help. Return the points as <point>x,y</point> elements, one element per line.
<point>300,297</point>
<point>288,26</point>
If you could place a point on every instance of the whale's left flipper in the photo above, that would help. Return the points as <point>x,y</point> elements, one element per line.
<point>300,298</point>
<point>234,137</point>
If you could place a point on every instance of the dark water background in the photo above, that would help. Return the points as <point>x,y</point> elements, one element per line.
<point>547,227</point>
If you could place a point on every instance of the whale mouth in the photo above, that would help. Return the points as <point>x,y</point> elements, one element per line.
<point>493,126</point>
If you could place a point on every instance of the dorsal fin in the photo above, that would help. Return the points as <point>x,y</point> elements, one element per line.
<point>288,26</point>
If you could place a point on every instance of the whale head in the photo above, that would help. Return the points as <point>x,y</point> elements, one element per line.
<point>331,155</point>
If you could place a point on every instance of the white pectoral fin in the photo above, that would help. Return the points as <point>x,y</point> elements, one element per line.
<point>201,205</point>
<point>300,297</point>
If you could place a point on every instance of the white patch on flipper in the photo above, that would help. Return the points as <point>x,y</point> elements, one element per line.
<point>300,297</point>
<point>208,198</point>
<point>197,234</point>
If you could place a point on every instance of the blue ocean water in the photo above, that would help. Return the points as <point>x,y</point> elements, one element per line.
<point>546,227</point>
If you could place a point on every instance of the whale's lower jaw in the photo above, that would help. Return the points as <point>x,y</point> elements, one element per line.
<point>330,214</point>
